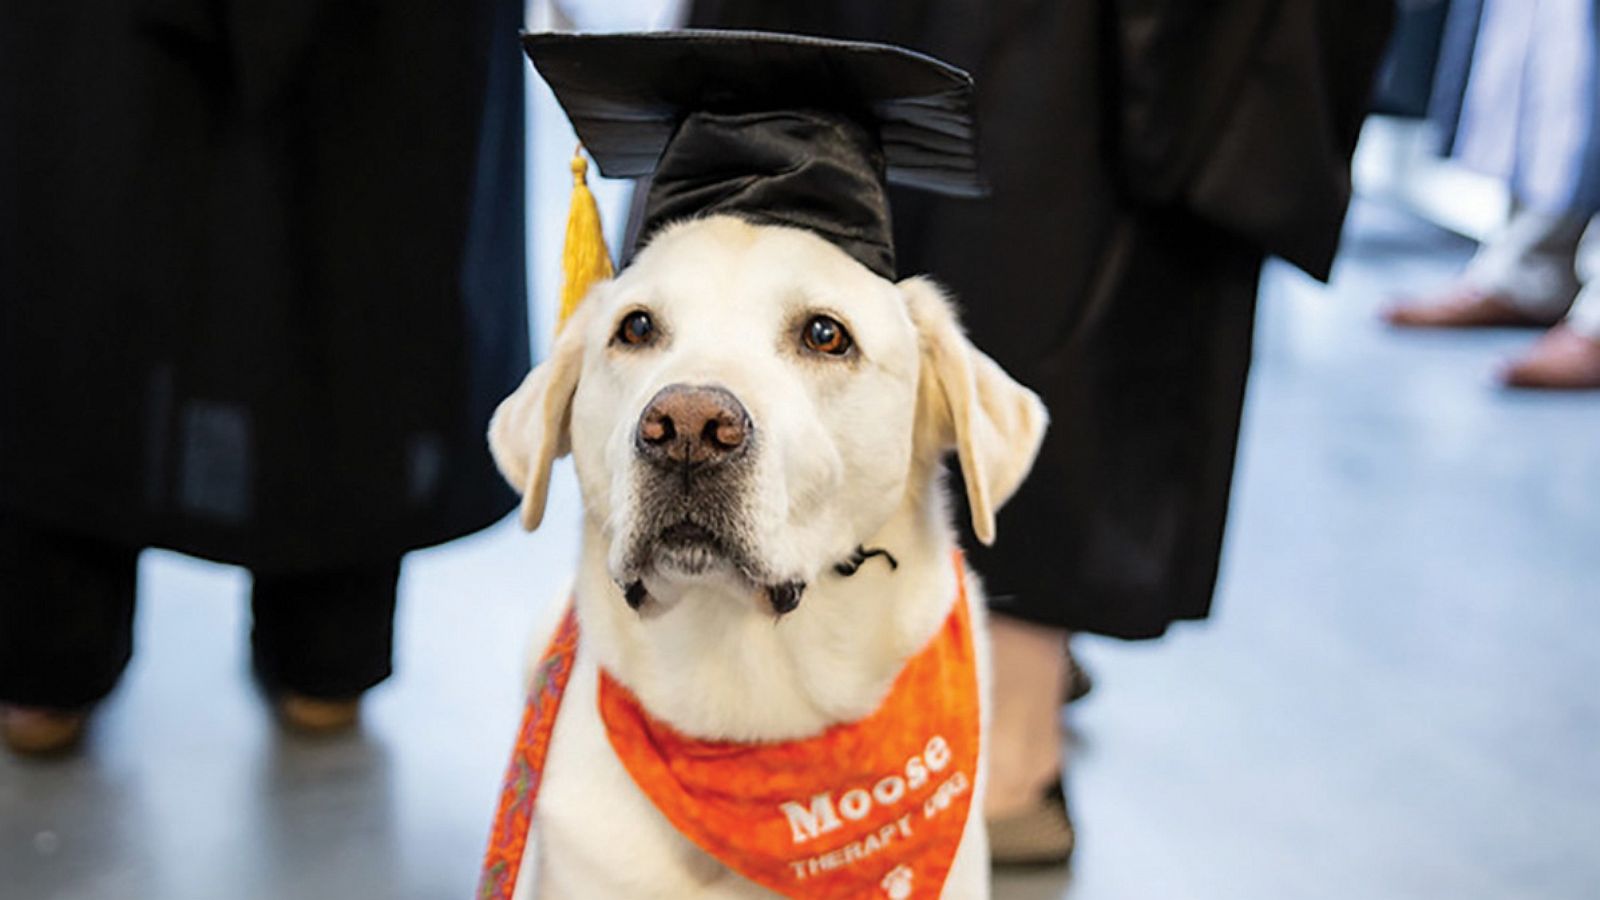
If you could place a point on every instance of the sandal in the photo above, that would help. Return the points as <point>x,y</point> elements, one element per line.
<point>1041,835</point>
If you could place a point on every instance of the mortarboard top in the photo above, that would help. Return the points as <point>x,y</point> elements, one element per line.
<point>779,129</point>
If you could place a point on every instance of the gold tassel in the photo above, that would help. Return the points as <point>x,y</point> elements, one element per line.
<point>584,258</point>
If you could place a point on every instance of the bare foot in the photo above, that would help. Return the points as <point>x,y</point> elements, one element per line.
<point>1561,360</point>
<point>1462,308</point>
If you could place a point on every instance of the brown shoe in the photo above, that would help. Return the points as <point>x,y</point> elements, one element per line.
<point>1463,308</point>
<point>1561,360</point>
<point>310,715</point>
<point>1041,835</point>
<point>29,731</point>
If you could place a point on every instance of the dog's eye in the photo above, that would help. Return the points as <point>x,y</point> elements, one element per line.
<point>825,335</point>
<point>637,329</point>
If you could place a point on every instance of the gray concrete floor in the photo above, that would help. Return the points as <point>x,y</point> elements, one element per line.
<point>1397,697</point>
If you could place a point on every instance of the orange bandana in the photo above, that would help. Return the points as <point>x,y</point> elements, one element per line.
<point>520,792</point>
<point>874,808</point>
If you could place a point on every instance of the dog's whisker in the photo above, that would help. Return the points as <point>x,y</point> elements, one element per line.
<point>860,555</point>
<point>894,564</point>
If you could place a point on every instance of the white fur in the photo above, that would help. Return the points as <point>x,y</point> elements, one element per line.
<point>847,453</point>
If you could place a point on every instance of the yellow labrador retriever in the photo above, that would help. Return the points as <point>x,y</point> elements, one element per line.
<point>813,402</point>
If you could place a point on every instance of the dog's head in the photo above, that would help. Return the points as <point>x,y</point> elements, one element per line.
<point>749,403</point>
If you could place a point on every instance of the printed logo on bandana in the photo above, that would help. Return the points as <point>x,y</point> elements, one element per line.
<point>897,884</point>
<point>821,817</point>
<point>887,797</point>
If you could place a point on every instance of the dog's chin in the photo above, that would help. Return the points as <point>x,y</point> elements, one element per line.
<point>688,550</point>
<point>682,553</point>
<point>690,562</point>
<point>687,557</point>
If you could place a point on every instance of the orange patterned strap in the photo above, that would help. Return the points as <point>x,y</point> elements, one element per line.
<point>521,789</point>
<point>868,809</point>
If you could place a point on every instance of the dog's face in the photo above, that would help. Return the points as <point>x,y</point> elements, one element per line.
<point>749,404</point>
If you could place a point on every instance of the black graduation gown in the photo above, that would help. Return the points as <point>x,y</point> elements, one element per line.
<point>261,272</point>
<point>1144,156</point>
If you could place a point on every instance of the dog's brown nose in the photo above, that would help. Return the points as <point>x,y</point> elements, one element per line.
<point>693,426</point>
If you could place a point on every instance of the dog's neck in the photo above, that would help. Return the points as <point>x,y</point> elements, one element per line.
<point>718,666</point>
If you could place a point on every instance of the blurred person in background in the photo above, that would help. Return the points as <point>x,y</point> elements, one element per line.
<point>1523,104</point>
<point>261,285</point>
<point>1144,156</point>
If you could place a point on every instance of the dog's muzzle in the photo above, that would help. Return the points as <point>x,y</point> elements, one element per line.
<point>693,444</point>
<point>693,440</point>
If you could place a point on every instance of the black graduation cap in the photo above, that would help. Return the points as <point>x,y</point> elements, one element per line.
<point>775,128</point>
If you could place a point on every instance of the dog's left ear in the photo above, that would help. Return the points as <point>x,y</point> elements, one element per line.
<point>970,403</point>
<point>530,429</point>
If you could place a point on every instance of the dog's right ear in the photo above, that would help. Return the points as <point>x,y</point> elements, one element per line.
<point>530,429</point>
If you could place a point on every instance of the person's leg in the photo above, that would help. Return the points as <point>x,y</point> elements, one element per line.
<point>1531,263</point>
<point>1529,118</point>
<point>1025,808</point>
<point>66,630</point>
<point>1524,275</point>
<point>1584,319</point>
<point>1030,669</point>
<point>320,640</point>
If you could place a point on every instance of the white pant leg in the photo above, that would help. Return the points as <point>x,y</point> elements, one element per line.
<point>1584,317</point>
<point>1530,262</point>
<point>1556,129</point>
